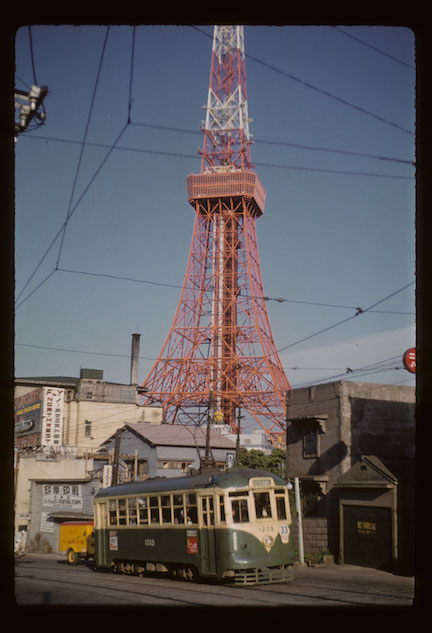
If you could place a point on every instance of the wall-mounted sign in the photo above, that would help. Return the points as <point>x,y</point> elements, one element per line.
<point>107,475</point>
<point>409,360</point>
<point>62,496</point>
<point>52,416</point>
<point>28,412</point>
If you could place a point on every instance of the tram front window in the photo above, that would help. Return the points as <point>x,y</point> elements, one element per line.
<point>262,505</point>
<point>240,511</point>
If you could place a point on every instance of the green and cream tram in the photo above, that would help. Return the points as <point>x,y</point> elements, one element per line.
<point>233,525</point>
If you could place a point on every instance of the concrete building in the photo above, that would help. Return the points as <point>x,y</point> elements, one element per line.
<point>89,410</point>
<point>167,450</point>
<point>44,464</point>
<point>53,501</point>
<point>350,443</point>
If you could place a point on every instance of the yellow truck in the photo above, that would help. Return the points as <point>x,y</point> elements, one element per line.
<point>77,540</point>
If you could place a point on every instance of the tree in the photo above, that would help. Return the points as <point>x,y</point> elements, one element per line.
<point>275,462</point>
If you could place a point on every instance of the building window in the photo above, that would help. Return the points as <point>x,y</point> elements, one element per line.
<point>312,499</point>
<point>176,465</point>
<point>311,444</point>
<point>87,428</point>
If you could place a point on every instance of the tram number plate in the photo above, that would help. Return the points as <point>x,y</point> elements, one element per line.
<point>284,533</point>
<point>149,542</point>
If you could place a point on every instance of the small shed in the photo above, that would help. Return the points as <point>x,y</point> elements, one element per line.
<point>368,517</point>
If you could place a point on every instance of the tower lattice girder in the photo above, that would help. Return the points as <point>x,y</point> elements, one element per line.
<point>220,342</point>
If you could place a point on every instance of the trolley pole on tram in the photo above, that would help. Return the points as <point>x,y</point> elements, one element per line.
<point>237,457</point>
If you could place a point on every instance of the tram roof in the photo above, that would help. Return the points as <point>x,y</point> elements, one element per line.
<point>235,477</point>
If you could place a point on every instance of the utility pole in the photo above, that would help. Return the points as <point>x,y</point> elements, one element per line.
<point>116,457</point>
<point>208,462</point>
<point>28,104</point>
<point>288,403</point>
<point>237,459</point>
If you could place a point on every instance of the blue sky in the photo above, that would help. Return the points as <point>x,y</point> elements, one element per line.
<point>333,116</point>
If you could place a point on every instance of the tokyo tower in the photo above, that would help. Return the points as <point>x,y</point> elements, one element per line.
<point>219,355</point>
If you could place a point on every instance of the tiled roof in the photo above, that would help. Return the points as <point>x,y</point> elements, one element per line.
<point>181,435</point>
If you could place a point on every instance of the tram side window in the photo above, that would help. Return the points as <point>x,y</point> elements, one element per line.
<point>154,509</point>
<point>122,511</point>
<point>207,511</point>
<point>280,504</point>
<point>179,513</point>
<point>222,509</point>
<point>143,510</point>
<point>113,512</point>
<point>191,509</point>
<point>132,511</point>
<point>166,508</point>
<point>262,505</point>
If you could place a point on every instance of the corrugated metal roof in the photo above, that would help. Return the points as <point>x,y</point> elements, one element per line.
<point>181,435</point>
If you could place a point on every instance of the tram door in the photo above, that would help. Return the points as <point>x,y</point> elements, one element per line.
<point>208,540</point>
<point>102,533</point>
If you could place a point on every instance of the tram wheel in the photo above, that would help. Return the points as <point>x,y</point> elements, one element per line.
<point>186,573</point>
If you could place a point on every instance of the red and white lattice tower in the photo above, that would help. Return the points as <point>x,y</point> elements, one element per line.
<point>220,348</point>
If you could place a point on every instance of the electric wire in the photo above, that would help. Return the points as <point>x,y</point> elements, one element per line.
<point>279,299</point>
<point>32,55</point>
<point>374,48</point>
<point>370,369</point>
<point>350,318</point>
<point>74,208</point>
<point>319,90</point>
<point>257,163</point>
<point>68,213</point>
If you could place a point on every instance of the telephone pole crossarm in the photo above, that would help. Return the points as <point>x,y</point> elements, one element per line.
<point>28,104</point>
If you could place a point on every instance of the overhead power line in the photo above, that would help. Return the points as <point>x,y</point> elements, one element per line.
<point>69,211</point>
<point>279,299</point>
<point>334,325</point>
<point>259,164</point>
<point>374,48</point>
<point>326,93</point>
<point>77,351</point>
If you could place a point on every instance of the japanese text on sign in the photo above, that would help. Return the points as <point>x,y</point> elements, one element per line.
<point>52,417</point>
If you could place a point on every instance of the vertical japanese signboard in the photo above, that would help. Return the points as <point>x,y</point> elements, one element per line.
<point>52,416</point>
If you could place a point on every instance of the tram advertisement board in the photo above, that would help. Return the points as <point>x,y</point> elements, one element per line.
<point>192,541</point>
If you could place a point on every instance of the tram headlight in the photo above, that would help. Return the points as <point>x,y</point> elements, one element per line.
<point>268,540</point>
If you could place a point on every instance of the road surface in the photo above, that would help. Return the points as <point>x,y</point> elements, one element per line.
<point>46,579</point>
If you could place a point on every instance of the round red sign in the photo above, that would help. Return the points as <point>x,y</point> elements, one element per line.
<point>409,360</point>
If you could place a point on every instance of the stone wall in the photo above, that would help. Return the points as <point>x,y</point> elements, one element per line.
<point>315,535</point>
